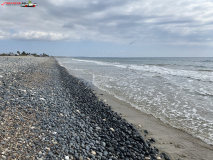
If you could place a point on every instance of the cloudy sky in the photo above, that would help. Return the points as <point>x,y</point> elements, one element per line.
<point>129,28</point>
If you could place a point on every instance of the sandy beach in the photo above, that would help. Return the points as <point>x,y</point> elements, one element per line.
<point>176,143</point>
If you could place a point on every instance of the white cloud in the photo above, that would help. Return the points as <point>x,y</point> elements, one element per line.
<point>37,35</point>
<point>120,21</point>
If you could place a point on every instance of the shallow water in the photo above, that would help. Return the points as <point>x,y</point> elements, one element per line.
<point>179,91</point>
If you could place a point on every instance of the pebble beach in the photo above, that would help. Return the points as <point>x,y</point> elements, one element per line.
<point>47,113</point>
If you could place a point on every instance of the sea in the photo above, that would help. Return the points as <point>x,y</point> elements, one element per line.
<point>178,91</point>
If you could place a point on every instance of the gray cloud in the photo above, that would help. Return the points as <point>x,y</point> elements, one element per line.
<point>176,22</point>
<point>121,21</point>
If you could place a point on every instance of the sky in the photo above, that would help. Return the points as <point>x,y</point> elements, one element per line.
<point>112,28</point>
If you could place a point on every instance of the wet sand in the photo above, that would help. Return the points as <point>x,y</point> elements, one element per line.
<point>176,143</point>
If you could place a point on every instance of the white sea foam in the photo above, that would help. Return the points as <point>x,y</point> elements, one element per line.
<point>97,62</point>
<point>103,63</point>
<point>120,66</point>
<point>157,103</point>
<point>207,76</point>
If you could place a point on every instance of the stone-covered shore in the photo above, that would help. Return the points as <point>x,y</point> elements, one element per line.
<point>45,113</point>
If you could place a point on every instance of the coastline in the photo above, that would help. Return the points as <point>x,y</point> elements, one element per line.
<point>175,142</point>
<point>47,113</point>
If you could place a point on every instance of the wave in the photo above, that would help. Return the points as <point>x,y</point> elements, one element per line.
<point>90,61</point>
<point>207,61</point>
<point>205,70</point>
<point>163,112</point>
<point>158,64</point>
<point>203,76</point>
<point>116,64</point>
<point>204,93</point>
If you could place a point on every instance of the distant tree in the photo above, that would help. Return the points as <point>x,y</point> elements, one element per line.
<point>18,52</point>
<point>23,53</point>
<point>35,55</point>
<point>3,54</point>
<point>45,55</point>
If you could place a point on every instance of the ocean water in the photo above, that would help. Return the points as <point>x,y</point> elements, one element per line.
<point>179,91</point>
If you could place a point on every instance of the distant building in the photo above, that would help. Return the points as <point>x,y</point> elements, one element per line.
<point>11,54</point>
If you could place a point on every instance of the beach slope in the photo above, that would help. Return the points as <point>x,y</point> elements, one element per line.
<point>46,113</point>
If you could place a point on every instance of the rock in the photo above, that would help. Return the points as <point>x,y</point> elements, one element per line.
<point>81,158</point>
<point>105,153</point>
<point>111,149</point>
<point>152,140</point>
<point>145,131</point>
<point>55,142</point>
<point>103,144</point>
<point>87,147</point>
<point>112,129</point>
<point>66,157</point>
<point>98,128</point>
<point>166,157</point>
<point>47,148</point>
<point>122,149</point>
<point>32,127</point>
<point>93,152</point>
<point>158,158</point>
<point>147,158</point>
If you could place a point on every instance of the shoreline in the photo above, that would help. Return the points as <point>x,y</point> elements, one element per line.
<point>176,143</point>
<point>144,147</point>
<point>47,113</point>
